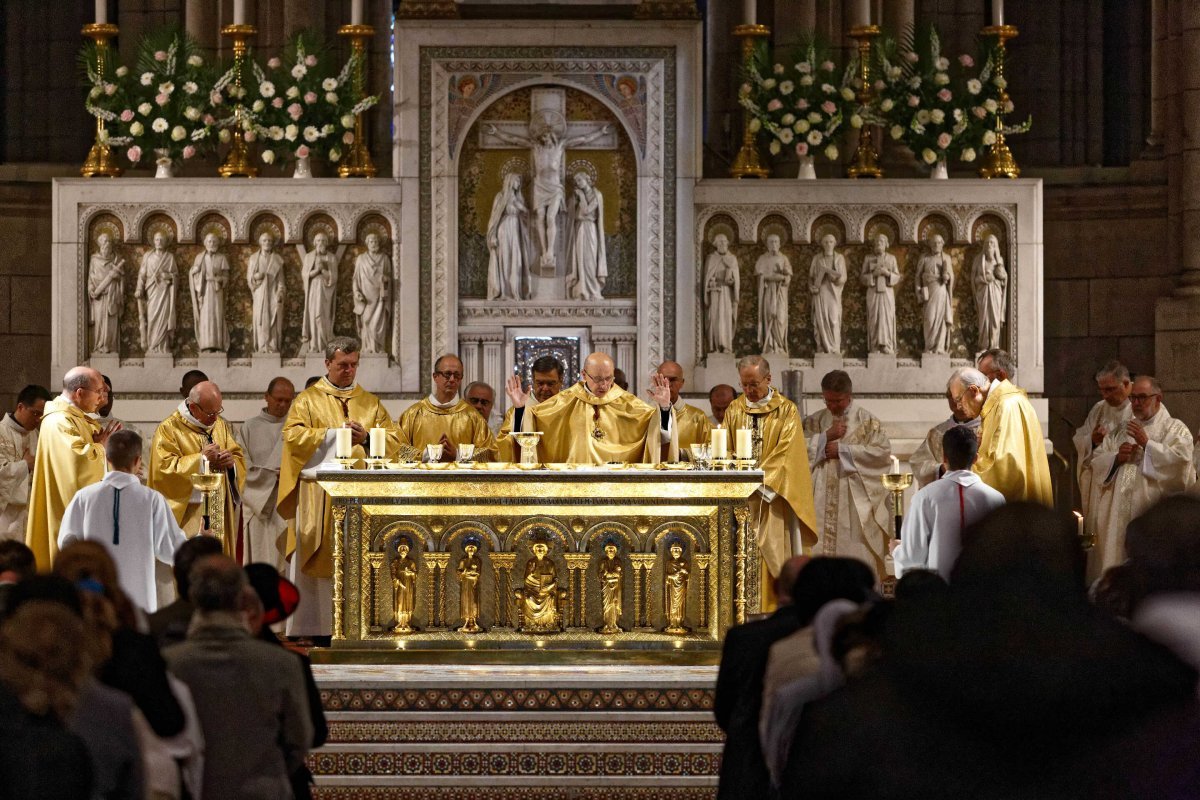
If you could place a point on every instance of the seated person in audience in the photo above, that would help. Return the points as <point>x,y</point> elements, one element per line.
<point>170,623</point>
<point>16,564</point>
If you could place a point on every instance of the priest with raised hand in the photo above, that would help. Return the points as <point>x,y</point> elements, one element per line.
<point>849,452</point>
<point>785,523</point>
<point>70,456</point>
<point>547,381</point>
<point>196,432</point>
<point>309,438</point>
<point>1150,458</point>
<point>262,441</point>
<point>443,418</point>
<point>1012,450</point>
<point>597,422</point>
<point>691,422</point>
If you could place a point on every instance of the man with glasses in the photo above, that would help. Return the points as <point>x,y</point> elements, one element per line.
<point>547,374</point>
<point>18,444</point>
<point>927,460</point>
<point>782,507</point>
<point>1103,430</point>
<point>443,418</point>
<point>691,422</point>
<point>597,422</point>
<point>1012,450</point>
<point>70,456</point>
<point>195,431</point>
<point>1152,458</point>
<point>482,396</point>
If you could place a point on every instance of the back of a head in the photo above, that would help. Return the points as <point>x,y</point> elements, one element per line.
<point>217,584</point>
<point>42,658</point>
<point>917,584</point>
<point>87,560</point>
<point>960,445</point>
<point>829,578</point>
<point>186,556</point>
<point>1163,546</point>
<point>17,558</point>
<point>123,449</point>
<point>1025,545</point>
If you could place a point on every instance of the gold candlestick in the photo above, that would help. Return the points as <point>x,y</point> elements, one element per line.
<point>748,163</point>
<point>238,163</point>
<point>896,483</point>
<point>357,162</point>
<point>1000,162</point>
<point>866,159</point>
<point>100,160</point>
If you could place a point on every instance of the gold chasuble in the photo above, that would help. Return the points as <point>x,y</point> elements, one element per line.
<point>1012,450</point>
<point>580,428</point>
<point>308,439</point>
<point>68,459</point>
<point>784,515</point>
<point>425,423</point>
<point>693,427</point>
<point>175,457</point>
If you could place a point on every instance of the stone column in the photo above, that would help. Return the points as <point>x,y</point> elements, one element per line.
<point>626,358</point>
<point>468,351</point>
<point>200,20</point>
<point>1158,77</point>
<point>493,361</point>
<point>1189,173</point>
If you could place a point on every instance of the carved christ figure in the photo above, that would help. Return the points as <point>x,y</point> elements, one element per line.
<point>774,272</point>
<point>373,297</point>
<point>155,294</point>
<point>207,280</point>
<point>722,290</point>
<point>319,274</point>
<point>880,274</point>
<point>264,274</point>
<point>106,287</point>
<point>935,287</point>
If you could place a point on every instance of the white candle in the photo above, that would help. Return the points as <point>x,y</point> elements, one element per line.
<point>749,11</point>
<point>997,12</point>
<point>203,465</point>
<point>378,442</point>
<point>344,445</point>
<point>1079,523</point>
<point>719,443</point>
<point>356,12</point>
<point>745,445</point>
<point>895,466</point>
<point>101,12</point>
<point>239,12</point>
<point>862,13</point>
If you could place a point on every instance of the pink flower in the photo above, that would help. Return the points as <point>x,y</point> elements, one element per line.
<point>348,137</point>
<point>310,60</point>
<point>801,104</point>
<point>295,111</point>
<point>943,141</point>
<point>774,105</point>
<point>966,60</point>
<point>302,150</point>
<point>879,85</point>
<point>828,107</point>
<point>216,99</point>
<point>249,136</point>
<point>911,57</point>
<point>273,62</point>
<point>126,115</point>
<point>134,153</point>
<point>979,111</point>
<point>310,97</point>
<point>209,119</point>
<point>827,66</point>
<point>802,148</point>
<point>944,95</point>
<point>160,55</point>
<point>277,102</point>
<point>163,99</point>
<point>913,101</point>
<point>189,151</point>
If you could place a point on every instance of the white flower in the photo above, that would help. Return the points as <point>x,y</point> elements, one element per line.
<point>914,82</point>
<point>1008,106</point>
<point>806,80</point>
<point>225,135</point>
<point>275,132</point>
<point>887,105</point>
<point>847,93</point>
<point>194,61</point>
<point>311,134</point>
<point>938,116</point>
<point>801,126</point>
<point>329,84</point>
<point>266,89</point>
<point>1000,83</point>
<point>744,89</point>
<point>814,138</point>
<point>755,124</point>
<point>788,119</point>
<point>786,88</point>
<point>774,147</point>
<point>291,132</point>
<point>136,129</point>
<point>923,116</point>
<point>335,155</point>
<point>974,86</point>
<point>942,64</point>
<point>814,117</point>
<point>856,121</point>
<point>831,152</point>
<point>159,125</point>
<point>989,137</point>
<point>328,129</point>
<point>968,154</point>
<point>268,156</point>
<point>786,136</point>
<point>928,156</point>
<point>959,128</point>
<point>258,106</point>
<point>192,113</point>
<point>990,105</point>
<point>293,92</point>
<point>166,88</point>
<point>897,131</point>
<point>348,121</point>
<point>777,69</point>
<point>894,73</point>
<point>827,88</point>
<point>299,71</point>
<point>331,98</point>
<point>178,133</point>
<point>147,78</point>
<point>917,128</point>
<point>958,115</point>
<point>941,78</point>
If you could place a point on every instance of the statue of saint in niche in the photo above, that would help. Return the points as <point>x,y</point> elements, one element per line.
<point>207,280</point>
<point>774,272</point>
<point>935,287</point>
<point>155,294</point>
<point>318,272</point>
<point>588,259</point>
<point>722,291</point>
<point>469,570</point>
<point>991,285</point>
<point>826,277</point>
<point>609,570</point>
<point>675,583</point>
<point>264,274</point>
<point>373,296</point>
<point>106,289</point>
<point>404,587</point>
<point>508,243</point>
<point>538,599</point>
<point>880,273</point>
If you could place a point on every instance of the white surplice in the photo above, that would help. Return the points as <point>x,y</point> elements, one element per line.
<point>926,460</point>
<point>932,534</point>
<point>1114,421</point>
<point>262,442</point>
<point>15,441</point>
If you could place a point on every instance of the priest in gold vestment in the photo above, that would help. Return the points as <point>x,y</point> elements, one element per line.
<point>443,418</point>
<point>309,438</point>
<point>691,422</point>
<point>595,421</point>
<point>70,456</point>
<point>1012,450</point>
<point>546,375</point>
<point>782,508</point>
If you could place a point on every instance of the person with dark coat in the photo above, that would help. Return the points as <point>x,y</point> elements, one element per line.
<point>169,625</point>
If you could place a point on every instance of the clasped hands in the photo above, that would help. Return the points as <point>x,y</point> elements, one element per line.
<point>1132,452</point>
<point>836,431</point>
<point>218,458</point>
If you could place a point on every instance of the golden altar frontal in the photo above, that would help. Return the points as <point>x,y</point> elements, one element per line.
<point>478,558</point>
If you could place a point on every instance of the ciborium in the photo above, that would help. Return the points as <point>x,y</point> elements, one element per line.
<point>529,442</point>
<point>896,483</point>
<point>209,485</point>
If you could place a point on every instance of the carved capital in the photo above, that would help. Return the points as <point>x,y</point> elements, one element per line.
<point>427,9</point>
<point>667,9</point>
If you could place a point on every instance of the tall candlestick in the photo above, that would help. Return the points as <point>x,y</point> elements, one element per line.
<point>356,12</point>
<point>862,13</point>
<point>378,442</point>
<point>239,12</point>
<point>343,443</point>
<point>101,12</point>
<point>719,443</point>
<point>745,444</point>
<point>997,12</point>
<point>750,12</point>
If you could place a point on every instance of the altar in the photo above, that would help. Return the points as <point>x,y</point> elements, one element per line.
<point>479,558</point>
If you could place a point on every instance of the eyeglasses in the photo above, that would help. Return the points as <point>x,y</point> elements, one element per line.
<point>450,376</point>
<point>200,412</point>
<point>756,384</point>
<point>1141,398</point>
<point>601,381</point>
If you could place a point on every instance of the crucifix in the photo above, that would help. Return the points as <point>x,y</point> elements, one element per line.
<point>548,135</point>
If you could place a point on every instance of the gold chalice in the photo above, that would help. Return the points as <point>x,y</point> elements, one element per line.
<point>896,483</point>
<point>529,442</point>
<point>208,483</point>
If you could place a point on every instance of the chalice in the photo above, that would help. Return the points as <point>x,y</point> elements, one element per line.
<point>529,442</point>
<point>208,483</point>
<point>896,483</point>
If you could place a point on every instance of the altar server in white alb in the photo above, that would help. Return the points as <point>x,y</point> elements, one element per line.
<point>18,444</point>
<point>1103,430</point>
<point>932,534</point>
<point>133,522</point>
<point>262,442</point>
<point>1149,458</point>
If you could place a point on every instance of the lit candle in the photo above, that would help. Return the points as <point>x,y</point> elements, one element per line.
<point>750,11</point>
<point>719,443</point>
<point>101,12</point>
<point>239,12</point>
<point>895,466</point>
<point>378,442</point>
<point>356,12</point>
<point>745,445</point>
<point>862,13</point>
<point>344,445</point>
<point>1079,523</point>
<point>997,12</point>
<point>203,465</point>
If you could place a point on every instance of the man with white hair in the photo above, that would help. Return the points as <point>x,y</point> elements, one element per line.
<point>926,460</point>
<point>1103,430</point>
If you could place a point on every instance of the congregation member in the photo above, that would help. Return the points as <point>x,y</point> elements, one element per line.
<point>169,624</point>
<point>1012,450</point>
<point>190,379</point>
<point>597,422</point>
<point>931,537</point>
<point>193,435</point>
<point>785,523</point>
<point>691,422</point>
<point>18,445</point>
<point>1107,418</point>
<point>309,438</point>
<point>848,451</point>
<point>70,456</point>
<point>927,460</point>
<point>16,564</point>
<point>249,695</point>
<point>482,396</point>
<point>546,380</point>
<point>133,522</point>
<point>262,442</point>
<point>719,398</point>
<point>1136,466</point>
<point>443,418</point>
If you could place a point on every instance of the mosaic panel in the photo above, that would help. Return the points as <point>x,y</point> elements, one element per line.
<point>585,699</point>
<point>512,793</point>
<point>532,764</point>
<point>516,730</point>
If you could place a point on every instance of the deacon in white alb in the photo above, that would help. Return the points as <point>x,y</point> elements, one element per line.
<point>262,442</point>
<point>1102,432</point>
<point>18,444</point>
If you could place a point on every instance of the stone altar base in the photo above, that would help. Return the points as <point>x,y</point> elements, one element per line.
<point>507,732</point>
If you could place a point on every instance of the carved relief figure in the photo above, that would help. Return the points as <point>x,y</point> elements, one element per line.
<point>880,273</point>
<point>538,598</point>
<point>264,274</point>
<point>935,287</point>
<point>207,280</point>
<point>508,243</point>
<point>404,587</point>
<point>106,287</point>
<point>990,282</point>
<point>722,290</point>
<point>469,569</point>
<point>373,296</point>
<point>826,277</point>
<point>319,274</point>
<point>675,583</point>
<point>587,259</point>
<point>155,294</point>
<point>609,570</point>
<point>774,273</point>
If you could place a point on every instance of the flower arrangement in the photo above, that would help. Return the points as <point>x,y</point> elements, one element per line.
<point>803,104</point>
